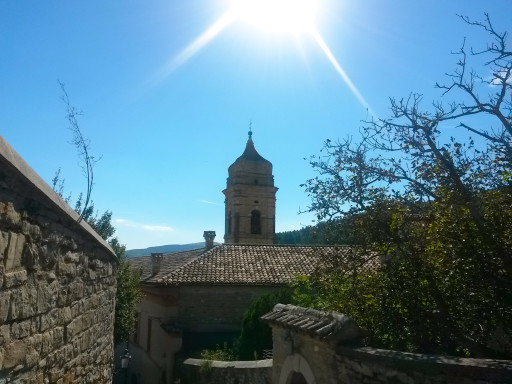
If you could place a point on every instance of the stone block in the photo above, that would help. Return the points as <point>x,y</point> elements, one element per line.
<point>9,216</point>
<point>76,290</point>
<point>32,358</point>
<point>49,320</point>
<point>5,334</point>
<point>42,363</point>
<point>69,377</point>
<point>38,378</point>
<point>15,353</point>
<point>65,315</point>
<point>4,241</point>
<point>62,297</point>
<point>13,279</point>
<point>75,327</point>
<point>48,255</point>
<point>47,296</point>
<point>4,305</point>
<point>23,302</point>
<point>30,256</point>
<point>21,329</point>
<point>46,342</point>
<point>14,251</point>
<point>55,375</point>
<point>58,337</point>
<point>71,257</point>
<point>31,230</point>
<point>66,269</point>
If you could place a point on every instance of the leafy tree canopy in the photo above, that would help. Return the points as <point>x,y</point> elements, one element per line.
<point>431,190</point>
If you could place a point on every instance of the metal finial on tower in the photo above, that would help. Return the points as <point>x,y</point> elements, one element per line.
<point>250,129</point>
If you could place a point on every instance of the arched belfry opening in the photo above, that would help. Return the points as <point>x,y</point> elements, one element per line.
<point>250,199</point>
<point>255,222</point>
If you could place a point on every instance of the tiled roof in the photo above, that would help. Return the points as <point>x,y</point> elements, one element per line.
<point>332,326</point>
<point>254,264</point>
<point>170,262</point>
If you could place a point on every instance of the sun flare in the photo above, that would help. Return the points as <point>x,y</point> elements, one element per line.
<point>293,16</point>
<point>284,16</point>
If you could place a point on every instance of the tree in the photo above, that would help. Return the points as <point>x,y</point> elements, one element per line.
<point>128,294</point>
<point>82,145</point>
<point>439,208</point>
<point>255,336</point>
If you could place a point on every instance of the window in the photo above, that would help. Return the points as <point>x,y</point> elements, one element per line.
<point>229,223</point>
<point>255,222</point>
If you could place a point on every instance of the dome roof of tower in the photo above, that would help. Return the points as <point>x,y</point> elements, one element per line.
<point>251,161</point>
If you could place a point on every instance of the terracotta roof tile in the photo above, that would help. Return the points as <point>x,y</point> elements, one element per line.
<point>170,262</point>
<point>254,264</point>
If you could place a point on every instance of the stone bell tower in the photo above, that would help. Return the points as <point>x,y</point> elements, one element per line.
<point>250,199</point>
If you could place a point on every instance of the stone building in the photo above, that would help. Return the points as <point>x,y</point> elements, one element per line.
<point>57,285</point>
<point>198,297</point>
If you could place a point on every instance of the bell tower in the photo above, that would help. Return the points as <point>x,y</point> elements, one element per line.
<point>250,199</point>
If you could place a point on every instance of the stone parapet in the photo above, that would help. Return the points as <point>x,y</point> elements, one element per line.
<point>57,285</point>
<point>197,371</point>
<point>313,346</point>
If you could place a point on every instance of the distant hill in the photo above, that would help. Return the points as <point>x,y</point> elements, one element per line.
<point>164,248</point>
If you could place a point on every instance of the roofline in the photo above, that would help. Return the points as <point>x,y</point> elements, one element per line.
<point>171,253</point>
<point>294,245</point>
<point>206,284</point>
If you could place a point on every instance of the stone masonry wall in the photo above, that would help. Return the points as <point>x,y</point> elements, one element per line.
<point>360,365</point>
<point>57,285</point>
<point>321,362</point>
<point>197,371</point>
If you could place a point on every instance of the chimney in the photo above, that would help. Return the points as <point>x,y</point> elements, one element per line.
<point>209,236</point>
<point>156,261</point>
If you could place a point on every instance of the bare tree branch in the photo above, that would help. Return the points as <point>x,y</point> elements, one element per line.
<point>82,146</point>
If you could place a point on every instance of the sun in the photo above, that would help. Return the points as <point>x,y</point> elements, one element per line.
<point>297,17</point>
<point>289,16</point>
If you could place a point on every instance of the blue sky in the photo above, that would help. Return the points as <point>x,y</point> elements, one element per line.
<point>167,129</point>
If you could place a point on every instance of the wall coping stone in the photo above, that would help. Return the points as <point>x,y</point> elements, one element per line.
<point>332,326</point>
<point>231,364</point>
<point>10,156</point>
<point>425,363</point>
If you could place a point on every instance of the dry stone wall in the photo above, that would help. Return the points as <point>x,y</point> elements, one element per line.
<point>57,285</point>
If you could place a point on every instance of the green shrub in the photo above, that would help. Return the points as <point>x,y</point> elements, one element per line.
<point>221,354</point>
<point>256,336</point>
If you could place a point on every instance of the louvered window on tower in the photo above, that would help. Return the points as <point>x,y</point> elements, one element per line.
<point>255,222</point>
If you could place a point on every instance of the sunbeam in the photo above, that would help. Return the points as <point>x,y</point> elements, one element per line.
<point>206,37</point>
<point>340,70</point>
